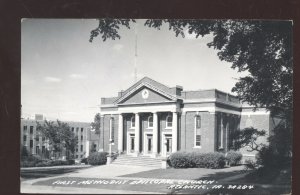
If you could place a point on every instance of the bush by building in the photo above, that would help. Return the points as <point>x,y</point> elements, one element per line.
<point>233,157</point>
<point>36,161</point>
<point>97,158</point>
<point>213,160</point>
<point>84,160</point>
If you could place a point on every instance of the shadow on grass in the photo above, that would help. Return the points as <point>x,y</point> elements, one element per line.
<point>188,173</point>
<point>222,175</point>
<point>40,173</point>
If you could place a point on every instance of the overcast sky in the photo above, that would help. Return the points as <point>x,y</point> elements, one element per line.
<point>64,76</point>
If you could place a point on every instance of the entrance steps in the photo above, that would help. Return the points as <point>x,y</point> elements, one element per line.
<point>138,161</point>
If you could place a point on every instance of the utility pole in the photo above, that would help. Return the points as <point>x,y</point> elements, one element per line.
<point>135,55</point>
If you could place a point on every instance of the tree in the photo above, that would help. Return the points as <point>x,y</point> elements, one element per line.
<point>24,152</point>
<point>59,136</point>
<point>248,138</point>
<point>96,124</point>
<point>261,48</point>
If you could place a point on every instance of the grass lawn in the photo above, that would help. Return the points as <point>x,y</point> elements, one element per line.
<point>274,177</point>
<point>190,173</point>
<point>46,172</point>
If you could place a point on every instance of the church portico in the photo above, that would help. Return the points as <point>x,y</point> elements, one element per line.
<point>141,133</point>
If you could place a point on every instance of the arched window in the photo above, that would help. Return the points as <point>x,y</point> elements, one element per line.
<point>169,121</point>
<point>197,131</point>
<point>132,122</point>
<point>150,121</point>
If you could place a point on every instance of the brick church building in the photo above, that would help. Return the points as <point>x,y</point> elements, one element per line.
<point>152,119</point>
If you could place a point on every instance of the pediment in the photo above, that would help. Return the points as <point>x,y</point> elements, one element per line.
<point>145,93</point>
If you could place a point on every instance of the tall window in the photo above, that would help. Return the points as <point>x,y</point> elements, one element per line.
<point>31,129</point>
<point>132,143</point>
<point>169,121</point>
<point>37,150</point>
<point>25,128</point>
<point>81,137</point>
<point>150,121</point>
<point>197,131</point>
<point>81,148</point>
<point>31,143</point>
<point>81,130</point>
<point>24,138</point>
<point>132,121</point>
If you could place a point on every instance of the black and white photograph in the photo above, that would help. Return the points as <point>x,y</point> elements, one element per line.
<point>156,106</point>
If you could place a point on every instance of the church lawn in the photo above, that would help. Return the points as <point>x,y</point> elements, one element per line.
<point>41,172</point>
<point>190,173</point>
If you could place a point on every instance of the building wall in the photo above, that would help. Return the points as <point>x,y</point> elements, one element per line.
<point>105,132</point>
<point>38,140</point>
<point>187,133</point>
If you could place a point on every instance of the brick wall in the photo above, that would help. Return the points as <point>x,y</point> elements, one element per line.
<point>187,133</point>
<point>105,128</point>
<point>198,94</point>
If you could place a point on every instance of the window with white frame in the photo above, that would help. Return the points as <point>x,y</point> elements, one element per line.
<point>150,121</point>
<point>132,122</point>
<point>197,131</point>
<point>169,121</point>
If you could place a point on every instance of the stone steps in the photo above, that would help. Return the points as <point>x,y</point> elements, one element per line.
<point>138,161</point>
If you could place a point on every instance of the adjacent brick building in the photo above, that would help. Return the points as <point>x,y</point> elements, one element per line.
<point>150,118</point>
<point>36,144</point>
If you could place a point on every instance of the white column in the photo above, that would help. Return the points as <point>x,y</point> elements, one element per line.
<point>120,134</point>
<point>137,134</point>
<point>226,132</point>
<point>222,132</point>
<point>155,134</point>
<point>174,132</point>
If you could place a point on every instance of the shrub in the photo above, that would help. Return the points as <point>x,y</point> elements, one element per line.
<point>214,160</point>
<point>195,159</point>
<point>30,161</point>
<point>250,164</point>
<point>278,161</point>
<point>97,158</point>
<point>59,162</point>
<point>180,160</point>
<point>233,157</point>
<point>71,161</point>
<point>27,163</point>
<point>84,160</point>
<point>45,163</point>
